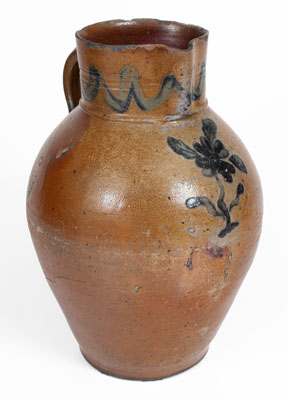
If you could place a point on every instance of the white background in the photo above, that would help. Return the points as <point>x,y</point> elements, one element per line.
<point>247,85</point>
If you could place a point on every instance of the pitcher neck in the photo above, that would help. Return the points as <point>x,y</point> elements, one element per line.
<point>142,69</point>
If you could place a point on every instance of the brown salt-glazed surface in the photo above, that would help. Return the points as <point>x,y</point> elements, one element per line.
<point>116,201</point>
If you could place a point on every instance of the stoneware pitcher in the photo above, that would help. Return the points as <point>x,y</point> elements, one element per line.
<point>143,205</point>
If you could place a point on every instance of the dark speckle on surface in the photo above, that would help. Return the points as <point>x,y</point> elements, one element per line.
<point>226,271</point>
<point>189,262</point>
<point>84,212</point>
<point>74,171</point>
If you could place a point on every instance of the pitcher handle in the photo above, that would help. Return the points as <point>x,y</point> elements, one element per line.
<point>71,81</point>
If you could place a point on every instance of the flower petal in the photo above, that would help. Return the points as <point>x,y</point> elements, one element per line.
<point>218,146</point>
<point>227,176</point>
<point>209,128</point>
<point>205,143</point>
<point>220,150</point>
<point>207,172</point>
<point>224,153</point>
<point>226,167</point>
<point>202,162</point>
<point>202,150</point>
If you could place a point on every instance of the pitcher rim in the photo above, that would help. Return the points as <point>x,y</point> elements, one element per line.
<point>199,34</point>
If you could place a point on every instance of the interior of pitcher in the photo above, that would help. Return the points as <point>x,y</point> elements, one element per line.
<point>142,32</point>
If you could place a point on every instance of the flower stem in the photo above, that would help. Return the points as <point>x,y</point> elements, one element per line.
<point>221,203</point>
<point>221,187</point>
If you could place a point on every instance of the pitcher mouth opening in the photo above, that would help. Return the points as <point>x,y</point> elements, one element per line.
<point>121,34</point>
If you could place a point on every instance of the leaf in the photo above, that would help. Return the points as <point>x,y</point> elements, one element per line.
<point>210,129</point>
<point>194,202</point>
<point>235,160</point>
<point>229,228</point>
<point>240,189</point>
<point>181,148</point>
<point>235,202</point>
<point>222,206</point>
